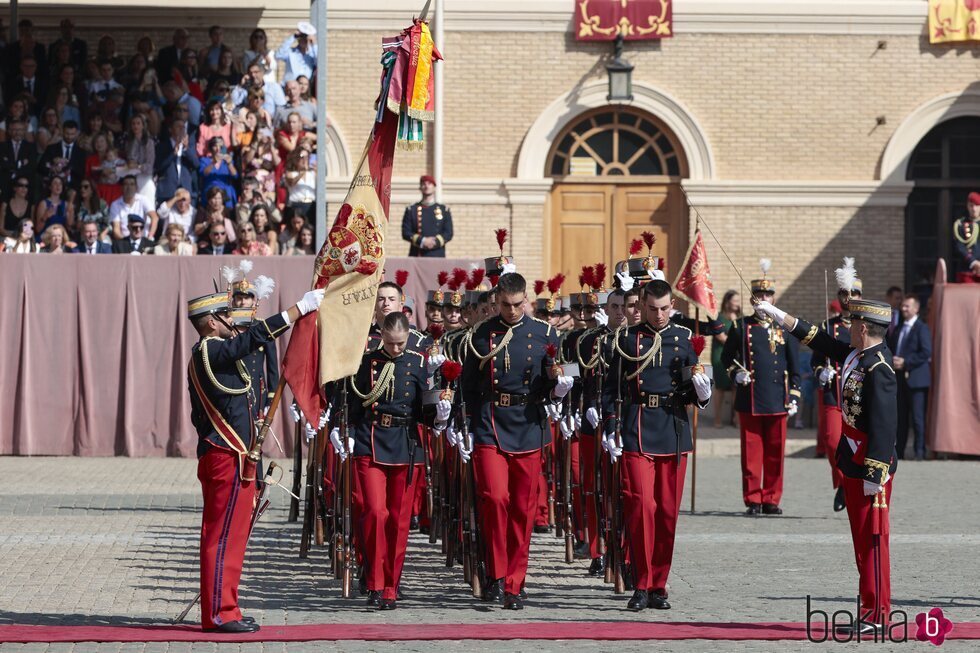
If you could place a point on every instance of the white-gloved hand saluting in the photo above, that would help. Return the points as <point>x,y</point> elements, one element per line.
<point>626,282</point>
<point>310,302</point>
<point>766,310</point>
<point>601,318</point>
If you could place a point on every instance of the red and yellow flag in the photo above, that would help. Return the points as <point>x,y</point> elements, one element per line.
<point>951,21</point>
<point>693,282</point>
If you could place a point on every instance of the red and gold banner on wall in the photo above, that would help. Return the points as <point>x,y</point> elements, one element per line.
<point>951,21</point>
<point>603,20</point>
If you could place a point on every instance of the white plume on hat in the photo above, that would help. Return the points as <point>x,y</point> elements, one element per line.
<point>846,275</point>
<point>245,266</point>
<point>230,274</point>
<point>263,286</point>
<point>764,265</point>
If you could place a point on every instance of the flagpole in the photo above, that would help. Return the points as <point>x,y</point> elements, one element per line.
<point>694,422</point>
<point>439,36</point>
<point>320,227</point>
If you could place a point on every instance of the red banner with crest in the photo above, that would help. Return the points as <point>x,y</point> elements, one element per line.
<point>693,282</point>
<point>638,20</point>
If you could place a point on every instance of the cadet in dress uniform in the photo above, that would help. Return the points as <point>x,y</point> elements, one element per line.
<point>866,454</point>
<point>221,412</point>
<point>385,407</point>
<point>507,378</point>
<point>966,241</point>
<point>828,375</point>
<point>646,373</point>
<point>764,366</point>
<point>428,226</point>
<point>263,365</point>
<point>390,298</point>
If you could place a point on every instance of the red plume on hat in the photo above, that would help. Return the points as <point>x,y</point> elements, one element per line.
<point>587,277</point>
<point>636,246</point>
<point>476,278</point>
<point>501,235</point>
<point>599,280</point>
<point>494,278</point>
<point>451,371</point>
<point>436,330</point>
<point>442,278</point>
<point>554,283</point>
<point>697,344</point>
<point>538,287</point>
<point>401,277</point>
<point>459,278</point>
<point>551,350</point>
<point>650,239</point>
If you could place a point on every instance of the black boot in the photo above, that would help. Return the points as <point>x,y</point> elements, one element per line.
<point>387,604</point>
<point>639,602</point>
<point>771,509</point>
<point>494,592</point>
<point>658,601</point>
<point>754,509</point>
<point>598,567</point>
<point>839,502</point>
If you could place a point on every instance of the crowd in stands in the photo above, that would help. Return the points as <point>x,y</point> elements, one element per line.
<point>177,151</point>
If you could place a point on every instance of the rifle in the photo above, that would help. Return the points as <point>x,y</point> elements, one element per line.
<point>297,471</point>
<point>614,541</point>
<point>558,460</point>
<point>477,567</point>
<point>311,503</point>
<point>346,482</point>
<point>566,488</point>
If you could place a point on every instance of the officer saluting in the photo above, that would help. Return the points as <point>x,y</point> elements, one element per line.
<point>219,387</point>
<point>764,366</point>
<point>508,376</point>
<point>866,454</point>
<point>646,393</point>
<point>428,226</point>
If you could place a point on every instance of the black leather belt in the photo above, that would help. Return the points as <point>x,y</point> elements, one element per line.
<point>648,400</point>
<point>386,420</point>
<point>505,399</point>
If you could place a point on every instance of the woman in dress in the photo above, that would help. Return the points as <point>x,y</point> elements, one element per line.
<point>217,125</point>
<point>102,168</point>
<point>23,242</point>
<point>90,207</point>
<point>139,151</point>
<point>17,208</point>
<point>264,231</point>
<point>49,131</point>
<point>55,208</point>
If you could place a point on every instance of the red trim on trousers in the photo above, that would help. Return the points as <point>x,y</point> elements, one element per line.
<point>226,520</point>
<point>652,489</point>
<point>829,424</point>
<point>871,549</point>
<point>763,454</point>
<point>507,488</point>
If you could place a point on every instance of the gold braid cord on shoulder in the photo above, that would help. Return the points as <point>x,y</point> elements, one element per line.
<point>494,351</point>
<point>242,372</point>
<point>595,357</point>
<point>383,384</point>
<point>970,235</point>
<point>643,359</point>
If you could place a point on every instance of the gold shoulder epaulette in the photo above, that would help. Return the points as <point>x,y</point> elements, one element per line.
<point>881,361</point>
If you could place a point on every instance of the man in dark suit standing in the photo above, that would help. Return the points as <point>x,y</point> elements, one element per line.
<point>136,243</point>
<point>18,157</point>
<point>176,162</point>
<point>25,45</point>
<point>77,47</point>
<point>169,57</point>
<point>90,241</point>
<point>65,158</point>
<point>29,83</point>
<point>912,344</point>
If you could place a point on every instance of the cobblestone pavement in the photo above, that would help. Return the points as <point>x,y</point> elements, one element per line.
<point>114,541</point>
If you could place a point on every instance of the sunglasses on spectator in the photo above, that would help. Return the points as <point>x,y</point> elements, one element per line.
<point>217,233</point>
<point>21,185</point>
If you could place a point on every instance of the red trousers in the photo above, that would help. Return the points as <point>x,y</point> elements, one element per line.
<point>227,518</point>
<point>507,485</point>
<point>652,487</point>
<point>383,507</point>
<point>578,514</point>
<point>763,449</point>
<point>829,423</point>
<point>541,498</point>
<point>590,520</point>
<point>420,503</point>
<point>869,534</point>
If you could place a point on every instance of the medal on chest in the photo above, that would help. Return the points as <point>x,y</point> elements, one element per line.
<point>851,404</point>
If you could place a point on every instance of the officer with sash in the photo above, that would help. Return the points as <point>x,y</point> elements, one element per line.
<point>219,386</point>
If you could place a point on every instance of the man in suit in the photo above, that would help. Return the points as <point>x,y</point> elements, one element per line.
<point>217,242</point>
<point>169,57</point>
<point>25,45</point>
<point>18,157</point>
<point>90,241</point>
<point>66,158</point>
<point>135,243</point>
<point>29,83</point>
<point>176,162</point>
<point>912,344</point>
<point>78,47</point>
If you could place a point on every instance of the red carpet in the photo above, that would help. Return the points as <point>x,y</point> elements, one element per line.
<point>551,630</point>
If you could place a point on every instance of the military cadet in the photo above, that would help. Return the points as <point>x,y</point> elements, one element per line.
<point>631,304</point>
<point>508,376</point>
<point>644,400</point>
<point>384,402</point>
<point>427,225</point>
<point>866,454</point>
<point>827,371</point>
<point>390,298</point>
<point>763,364</point>
<point>433,308</point>
<point>262,365</point>
<point>548,309</point>
<point>219,385</point>
<point>966,241</point>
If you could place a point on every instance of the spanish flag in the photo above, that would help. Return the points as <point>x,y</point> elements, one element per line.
<point>693,282</point>
<point>951,21</point>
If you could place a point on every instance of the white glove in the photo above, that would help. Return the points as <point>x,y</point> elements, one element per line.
<point>310,302</point>
<point>337,445</point>
<point>552,411</point>
<point>294,411</point>
<point>578,421</point>
<point>702,386</point>
<point>435,362</point>
<point>443,408</point>
<point>601,318</point>
<point>792,408</point>
<point>453,436</point>
<point>765,309</point>
<point>508,268</point>
<point>614,451</point>
<point>592,415</point>
<point>742,377</point>
<point>567,426</point>
<point>826,374</point>
<point>324,418</point>
<point>871,489</point>
<point>310,432</point>
<point>564,385</point>
<point>464,453</point>
<point>626,282</point>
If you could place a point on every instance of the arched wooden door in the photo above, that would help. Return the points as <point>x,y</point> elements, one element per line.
<point>617,173</point>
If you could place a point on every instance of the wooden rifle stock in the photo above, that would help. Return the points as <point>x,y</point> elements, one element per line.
<point>255,451</point>
<point>297,471</point>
